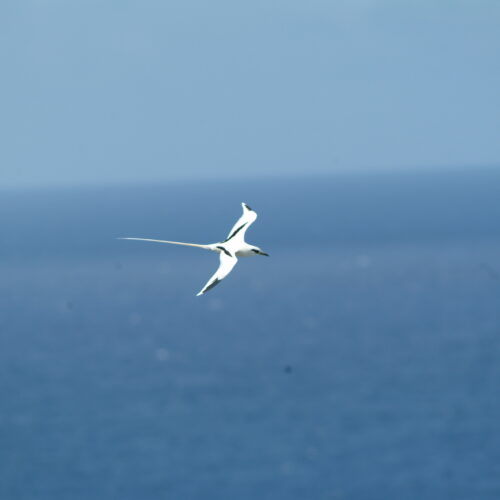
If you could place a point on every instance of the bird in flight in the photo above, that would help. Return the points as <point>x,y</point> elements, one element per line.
<point>229,250</point>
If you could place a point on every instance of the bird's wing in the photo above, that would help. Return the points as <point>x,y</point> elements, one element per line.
<point>227,262</point>
<point>242,224</point>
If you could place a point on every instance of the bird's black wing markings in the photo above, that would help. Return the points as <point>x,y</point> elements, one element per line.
<point>209,287</point>
<point>225,251</point>
<point>248,208</point>
<point>235,232</point>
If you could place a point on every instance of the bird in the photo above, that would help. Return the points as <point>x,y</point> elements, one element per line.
<point>229,250</point>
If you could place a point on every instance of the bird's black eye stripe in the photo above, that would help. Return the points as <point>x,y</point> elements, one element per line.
<point>255,251</point>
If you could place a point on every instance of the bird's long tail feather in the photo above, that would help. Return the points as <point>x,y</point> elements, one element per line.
<point>207,247</point>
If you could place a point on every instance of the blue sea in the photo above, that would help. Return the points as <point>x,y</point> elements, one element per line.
<point>360,361</point>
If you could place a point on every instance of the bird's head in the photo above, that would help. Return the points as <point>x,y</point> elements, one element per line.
<point>258,251</point>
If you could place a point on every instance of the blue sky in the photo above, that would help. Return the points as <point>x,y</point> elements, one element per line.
<point>142,91</point>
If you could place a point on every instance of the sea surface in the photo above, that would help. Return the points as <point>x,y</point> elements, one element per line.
<point>360,361</point>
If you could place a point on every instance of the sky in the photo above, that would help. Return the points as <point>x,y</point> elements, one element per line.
<point>126,91</point>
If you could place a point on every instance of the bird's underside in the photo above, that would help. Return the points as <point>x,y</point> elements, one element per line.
<point>229,250</point>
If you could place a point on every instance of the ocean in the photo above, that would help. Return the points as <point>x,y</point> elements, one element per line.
<point>360,361</point>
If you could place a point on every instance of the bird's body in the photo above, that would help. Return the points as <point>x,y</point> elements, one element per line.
<point>229,250</point>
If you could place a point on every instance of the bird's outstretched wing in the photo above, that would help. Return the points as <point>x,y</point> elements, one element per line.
<point>242,224</point>
<point>227,262</point>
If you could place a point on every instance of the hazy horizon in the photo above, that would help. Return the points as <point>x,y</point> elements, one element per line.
<point>241,177</point>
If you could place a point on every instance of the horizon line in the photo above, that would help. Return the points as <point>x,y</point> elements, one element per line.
<point>272,176</point>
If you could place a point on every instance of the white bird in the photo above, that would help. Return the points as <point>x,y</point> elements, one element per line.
<point>229,250</point>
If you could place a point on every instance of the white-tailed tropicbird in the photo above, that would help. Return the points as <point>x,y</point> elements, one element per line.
<point>229,250</point>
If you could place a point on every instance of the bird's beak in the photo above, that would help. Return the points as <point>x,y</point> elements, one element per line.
<point>263,253</point>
